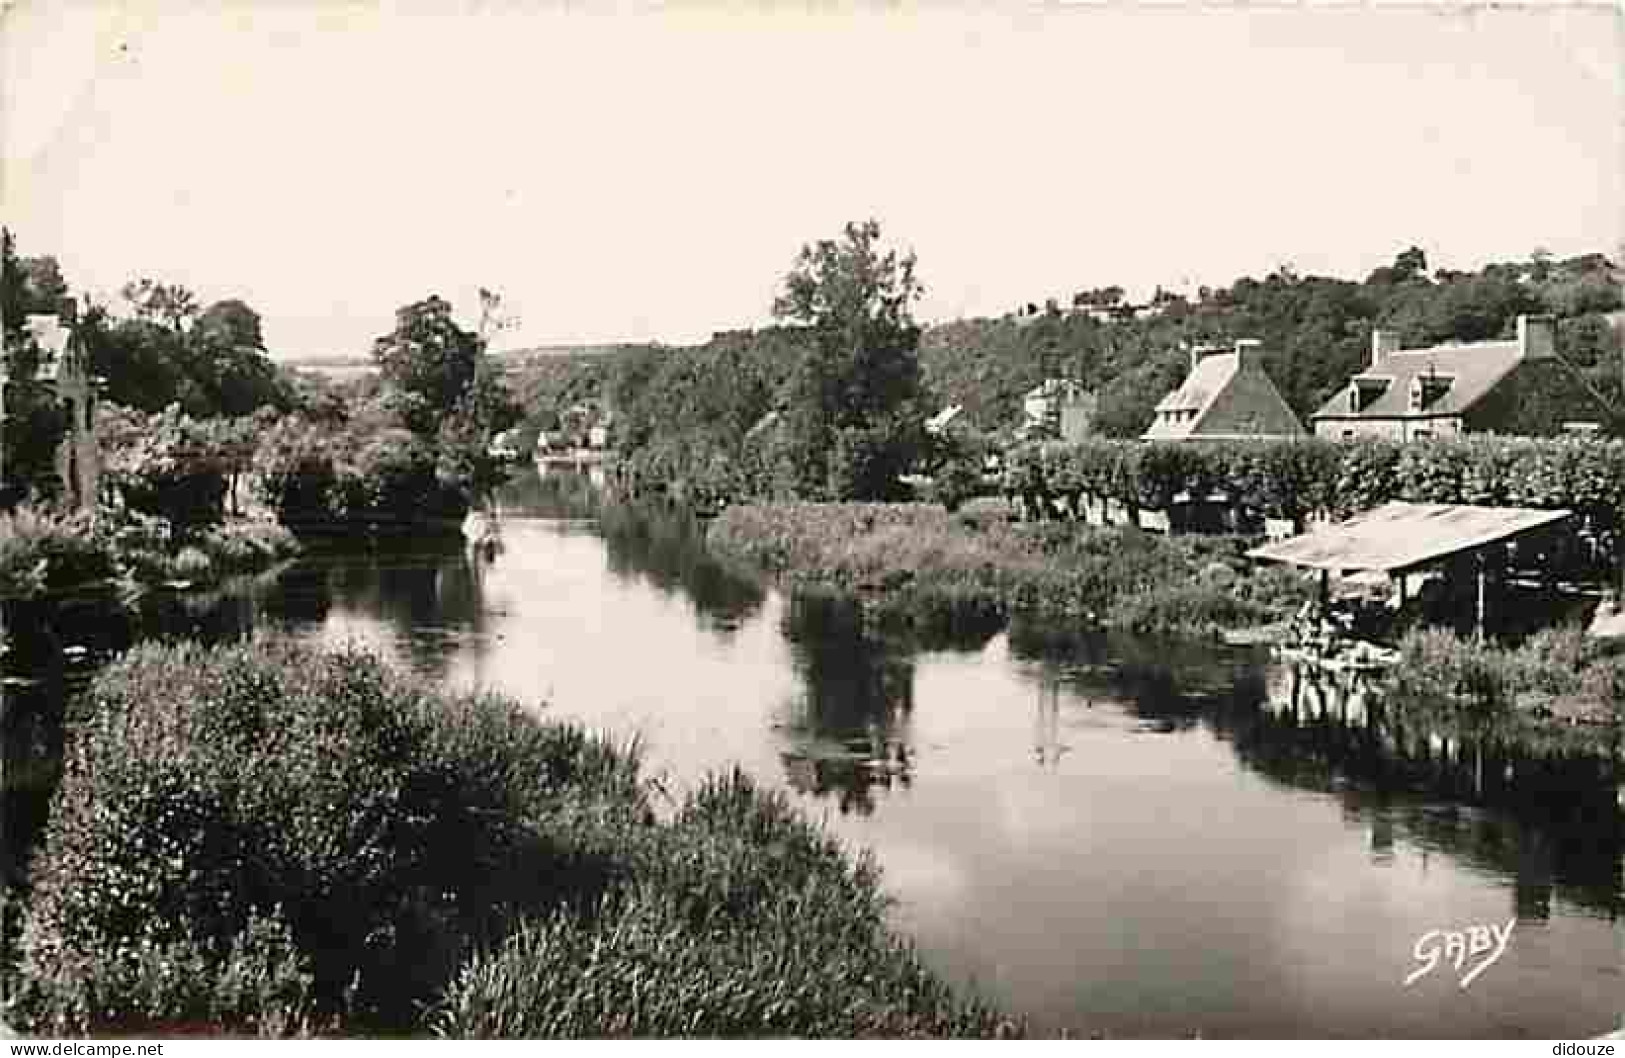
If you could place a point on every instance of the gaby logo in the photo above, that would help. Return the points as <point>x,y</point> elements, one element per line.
<point>1460,947</point>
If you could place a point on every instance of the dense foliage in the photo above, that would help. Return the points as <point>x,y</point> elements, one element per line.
<point>320,479</point>
<point>1557,669</point>
<point>171,464</point>
<point>720,417</point>
<point>407,451</point>
<point>45,553</point>
<point>269,840</point>
<point>1315,332</point>
<point>1292,479</point>
<point>164,349</point>
<point>852,424</point>
<point>915,562</point>
<point>34,424</point>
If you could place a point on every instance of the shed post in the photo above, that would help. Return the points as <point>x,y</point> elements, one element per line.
<point>1479,621</point>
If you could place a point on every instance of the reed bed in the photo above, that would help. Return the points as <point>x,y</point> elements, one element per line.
<point>917,558</point>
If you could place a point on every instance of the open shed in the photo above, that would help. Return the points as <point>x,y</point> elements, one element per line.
<point>1398,538</point>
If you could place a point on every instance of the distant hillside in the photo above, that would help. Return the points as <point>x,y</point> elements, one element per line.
<point>533,352</point>
<point>317,363</point>
<point>1315,332</point>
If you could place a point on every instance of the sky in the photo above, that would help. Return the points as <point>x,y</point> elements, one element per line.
<point>648,172</point>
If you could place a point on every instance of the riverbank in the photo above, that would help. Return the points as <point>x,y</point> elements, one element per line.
<point>271,840</point>
<point>915,562</point>
<point>44,553</point>
<point>918,567</point>
<point>1558,687</point>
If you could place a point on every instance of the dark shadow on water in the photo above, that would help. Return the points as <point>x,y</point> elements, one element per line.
<point>666,550</point>
<point>848,732</point>
<point>562,494</point>
<point>427,596</point>
<point>1547,817</point>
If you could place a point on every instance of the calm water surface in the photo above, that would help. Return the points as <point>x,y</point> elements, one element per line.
<point>1103,835</point>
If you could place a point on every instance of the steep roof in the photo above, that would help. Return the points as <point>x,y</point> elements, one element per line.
<point>1225,395</point>
<point>1211,374</point>
<point>1473,370</point>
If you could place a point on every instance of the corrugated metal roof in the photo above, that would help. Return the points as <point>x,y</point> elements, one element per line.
<point>1399,536</point>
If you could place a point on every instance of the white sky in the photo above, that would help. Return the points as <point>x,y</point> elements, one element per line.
<point>648,173</point>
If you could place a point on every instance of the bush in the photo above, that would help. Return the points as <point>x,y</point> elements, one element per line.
<point>265,839</point>
<point>389,829</point>
<point>42,552</point>
<point>322,481</point>
<point>743,917</point>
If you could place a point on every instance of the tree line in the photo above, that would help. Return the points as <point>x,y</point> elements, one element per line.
<point>191,405</point>
<point>826,403</point>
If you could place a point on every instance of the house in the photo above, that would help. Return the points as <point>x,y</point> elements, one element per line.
<point>1225,396</point>
<point>64,370</point>
<point>1512,387</point>
<point>1058,407</point>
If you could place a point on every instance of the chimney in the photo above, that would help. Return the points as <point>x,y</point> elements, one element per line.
<point>67,310</point>
<point>1249,353</point>
<point>1537,337</point>
<point>1383,343</point>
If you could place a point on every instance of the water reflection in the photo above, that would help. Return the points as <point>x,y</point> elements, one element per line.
<point>428,601</point>
<point>848,726</point>
<point>1547,817</point>
<point>557,493</point>
<point>668,552</point>
<point>1107,832</point>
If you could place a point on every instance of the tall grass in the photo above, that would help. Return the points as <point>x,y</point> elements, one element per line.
<point>915,557</point>
<point>266,839</point>
<point>1488,679</point>
<point>746,920</point>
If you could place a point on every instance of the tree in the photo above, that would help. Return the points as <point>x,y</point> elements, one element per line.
<point>228,366</point>
<point>34,423</point>
<point>167,304</point>
<point>855,407</point>
<point>428,362</point>
<point>231,324</point>
<point>1409,265</point>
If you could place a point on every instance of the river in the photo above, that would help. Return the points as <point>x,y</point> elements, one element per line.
<point>1103,835</point>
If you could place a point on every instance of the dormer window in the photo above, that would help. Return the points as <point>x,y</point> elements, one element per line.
<point>1365,389</point>
<point>1427,389</point>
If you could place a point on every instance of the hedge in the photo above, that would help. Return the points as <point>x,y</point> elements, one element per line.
<point>1293,479</point>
